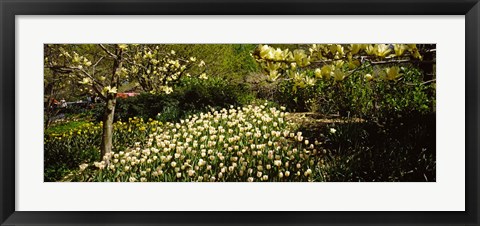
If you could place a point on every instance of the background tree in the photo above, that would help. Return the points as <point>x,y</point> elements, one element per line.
<point>101,69</point>
<point>335,60</point>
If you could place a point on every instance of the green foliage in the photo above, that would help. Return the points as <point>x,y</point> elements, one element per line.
<point>195,94</point>
<point>66,127</point>
<point>64,150</point>
<point>222,60</point>
<point>410,95</point>
<point>359,97</point>
<point>191,95</point>
<point>302,100</point>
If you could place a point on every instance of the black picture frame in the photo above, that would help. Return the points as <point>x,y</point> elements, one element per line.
<point>10,8</point>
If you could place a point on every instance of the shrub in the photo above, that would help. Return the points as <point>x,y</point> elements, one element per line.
<point>402,150</point>
<point>357,96</point>
<point>214,92</point>
<point>190,96</point>
<point>65,150</point>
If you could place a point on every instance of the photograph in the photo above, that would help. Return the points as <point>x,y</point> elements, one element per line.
<point>300,112</point>
<point>252,112</point>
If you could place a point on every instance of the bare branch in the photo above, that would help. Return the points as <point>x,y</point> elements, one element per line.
<point>91,77</point>
<point>100,94</point>
<point>98,62</point>
<point>107,51</point>
<point>390,62</point>
<point>93,67</point>
<point>71,70</point>
<point>423,83</point>
<point>401,61</point>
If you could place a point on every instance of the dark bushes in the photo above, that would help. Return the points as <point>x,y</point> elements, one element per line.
<point>192,95</point>
<point>356,96</point>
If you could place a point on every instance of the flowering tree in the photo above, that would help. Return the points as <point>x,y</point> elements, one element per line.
<point>102,69</point>
<point>337,61</point>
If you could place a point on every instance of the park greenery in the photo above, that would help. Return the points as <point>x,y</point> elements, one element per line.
<point>239,112</point>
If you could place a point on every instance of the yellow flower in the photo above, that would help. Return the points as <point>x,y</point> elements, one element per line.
<point>123,46</point>
<point>85,81</point>
<point>340,52</point>
<point>370,50</point>
<point>83,166</point>
<point>393,73</point>
<point>369,77</point>
<point>355,48</point>
<point>308,172</point>
<point>332,48</point>
<point>301,58</point>
<point>382,50</point>
<point>203,76</point>
<point>326,71</point>
<point>265,51</point>
<point>399,49</point>
<point>339,75</point>
<point>279,54</point>
<point>109,89</point>
<point>309,81</point>
<point>274,75</point>
<point>318,73</point>
<point>167,89</point>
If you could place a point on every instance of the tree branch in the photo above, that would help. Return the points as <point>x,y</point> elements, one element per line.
<point>400,61</point>
<point>100,94</point>
<point>107,51</point>
<point>423,83</point>
<point>93,67</point>
<point>70,70</point>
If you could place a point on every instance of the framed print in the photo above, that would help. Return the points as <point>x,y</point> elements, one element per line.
<point>256,112</point>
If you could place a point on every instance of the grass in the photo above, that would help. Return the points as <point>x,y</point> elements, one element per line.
<point>66,127</point>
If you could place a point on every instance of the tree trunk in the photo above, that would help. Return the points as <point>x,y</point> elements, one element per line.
<point>428,62</point>
<point>107,136</point>
<point>48,109</point>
